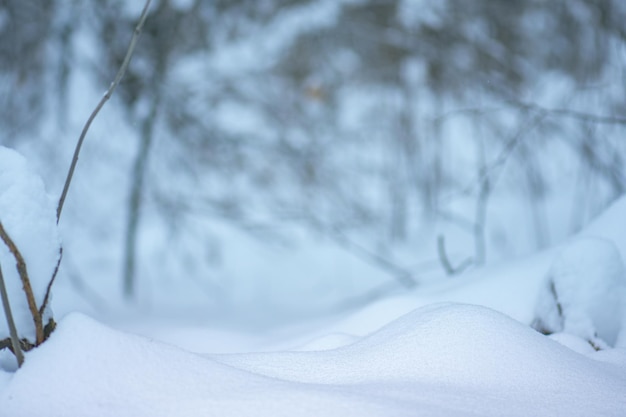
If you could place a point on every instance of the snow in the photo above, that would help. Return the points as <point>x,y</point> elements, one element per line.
<point>610,225</point>
<point>28,216</point>
<point>585,292</point>
<point>462,346</point>
<point>328,342</point>
<point>457,347</point>
<point>441,360</point>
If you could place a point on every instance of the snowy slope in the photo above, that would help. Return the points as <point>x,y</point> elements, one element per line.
<point>596,280</point>
<point>444,360</point>
<point>462,347</point>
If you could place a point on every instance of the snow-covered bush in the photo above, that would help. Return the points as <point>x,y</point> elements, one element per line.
<point>28,220</point>
<point>585,292</point>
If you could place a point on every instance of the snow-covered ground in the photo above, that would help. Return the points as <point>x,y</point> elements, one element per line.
<point>462,347</point>
<point>227,325</point>
<point>442,360</point>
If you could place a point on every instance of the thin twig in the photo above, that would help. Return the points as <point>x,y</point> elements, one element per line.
<point>15,342</point>
<point>103,100</point>
<point>445,261</point>
<point>28,289</point>
<point>456,219</point>
<point>572,114</point>
<point>402,275</point>
<point>443,256</point>
<point>492,171</point>
<point>480,220</point>
<point>46,298</point>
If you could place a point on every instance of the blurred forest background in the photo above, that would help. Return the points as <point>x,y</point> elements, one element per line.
<point>417,137</point>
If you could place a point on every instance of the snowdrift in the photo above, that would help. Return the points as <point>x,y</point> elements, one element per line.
<point>444,360</point>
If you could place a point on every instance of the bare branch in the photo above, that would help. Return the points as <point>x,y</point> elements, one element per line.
<point>480,221</point>
<point>443,256</point>
<point>15,342</point>
<point>28,289</point>
<point>445,261</point>
<point>24,345</point>
<point>46,298</point>
<point>456,219</point>
<point>492,171</point>
<point>572,114</point>
<point>402,275</point>
<point>103,100</point>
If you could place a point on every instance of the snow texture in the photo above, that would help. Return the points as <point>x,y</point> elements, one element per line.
<point>443,360</point>
<point>329,341</point>
<point>28,216</point>
<point>585,292</point>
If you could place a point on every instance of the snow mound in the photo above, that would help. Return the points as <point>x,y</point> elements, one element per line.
<point>29,218</point>
<point>585,292</point>
<point>109,373</point>
<point>328,341</point>
<point>442,360</point>
<point>610,225</point>
<point>467,345</point>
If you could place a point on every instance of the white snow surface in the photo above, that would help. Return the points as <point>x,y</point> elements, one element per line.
<point>28,216</point>
<point>611,225</point>
<point>441,360</point>
<point>460,347</point>
<point>585,292</point>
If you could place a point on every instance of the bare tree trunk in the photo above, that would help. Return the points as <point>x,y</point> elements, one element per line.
<point>536,190</point>
<point>482,200</point>
<point>136,199</point>
<point>480,240</point>
<point>398,186</point>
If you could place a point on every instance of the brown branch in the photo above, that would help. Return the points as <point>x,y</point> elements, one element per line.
<point>23,345</point>
<point>8,344</point>
<point>46,298</point>
<point>103,100</point>
<point>49,328</point>
<point>14,344</point>
<point>28,289</point>
<point>402,275</point>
